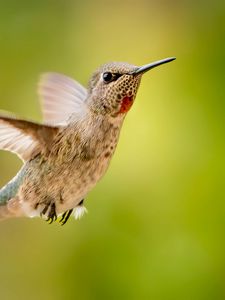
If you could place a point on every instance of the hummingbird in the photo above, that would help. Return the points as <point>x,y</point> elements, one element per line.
<point>65,156</point>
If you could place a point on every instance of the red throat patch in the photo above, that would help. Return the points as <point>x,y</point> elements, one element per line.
<point>126,104</point>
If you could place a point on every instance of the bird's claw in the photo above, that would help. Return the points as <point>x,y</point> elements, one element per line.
<point>51,215</point>
<point>65,217</point>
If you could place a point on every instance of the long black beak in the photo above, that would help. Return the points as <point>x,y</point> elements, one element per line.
<point>150,66</point>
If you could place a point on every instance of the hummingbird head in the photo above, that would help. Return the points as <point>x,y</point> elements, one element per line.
<point>113,87</point>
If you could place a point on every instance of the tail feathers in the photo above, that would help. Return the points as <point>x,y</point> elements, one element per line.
<point>12,209</point>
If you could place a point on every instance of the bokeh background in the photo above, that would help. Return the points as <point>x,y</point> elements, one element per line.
<point>156,222</point>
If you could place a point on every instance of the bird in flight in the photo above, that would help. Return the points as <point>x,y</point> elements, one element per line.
<point>66,155</point>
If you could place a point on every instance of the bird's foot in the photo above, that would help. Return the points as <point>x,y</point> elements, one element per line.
<point>79,211</point>
<point>50,211</point>
<point>52,216</point>
<point>65,217</point>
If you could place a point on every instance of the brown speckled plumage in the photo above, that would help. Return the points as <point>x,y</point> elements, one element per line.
<point>70,172</point>
<point>67,157</point>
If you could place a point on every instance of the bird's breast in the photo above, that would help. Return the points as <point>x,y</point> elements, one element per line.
<point>71,171</point>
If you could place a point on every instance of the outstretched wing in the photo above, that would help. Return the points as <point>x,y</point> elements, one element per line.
<point>23,137</point>
<point>60,97</point>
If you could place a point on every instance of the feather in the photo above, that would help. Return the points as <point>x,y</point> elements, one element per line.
<point>24,138</point>
<point>60,97</point>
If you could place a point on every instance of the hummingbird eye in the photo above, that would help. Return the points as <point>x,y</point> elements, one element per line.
<point>108,77</point>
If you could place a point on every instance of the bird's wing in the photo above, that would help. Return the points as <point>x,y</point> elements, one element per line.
<point>23,137</point>
<point>60,97</point>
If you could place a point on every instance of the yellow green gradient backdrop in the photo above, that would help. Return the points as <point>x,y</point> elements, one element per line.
<point>156,222</point>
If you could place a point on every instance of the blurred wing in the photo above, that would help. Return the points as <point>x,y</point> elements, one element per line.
<point>15,141</point>
<point>23,137</point>
<point>60,97</point>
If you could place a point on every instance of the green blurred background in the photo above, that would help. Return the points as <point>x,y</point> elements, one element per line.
<point>156,222</point>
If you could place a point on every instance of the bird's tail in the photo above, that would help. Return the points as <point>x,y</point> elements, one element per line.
<point>10,204</point>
